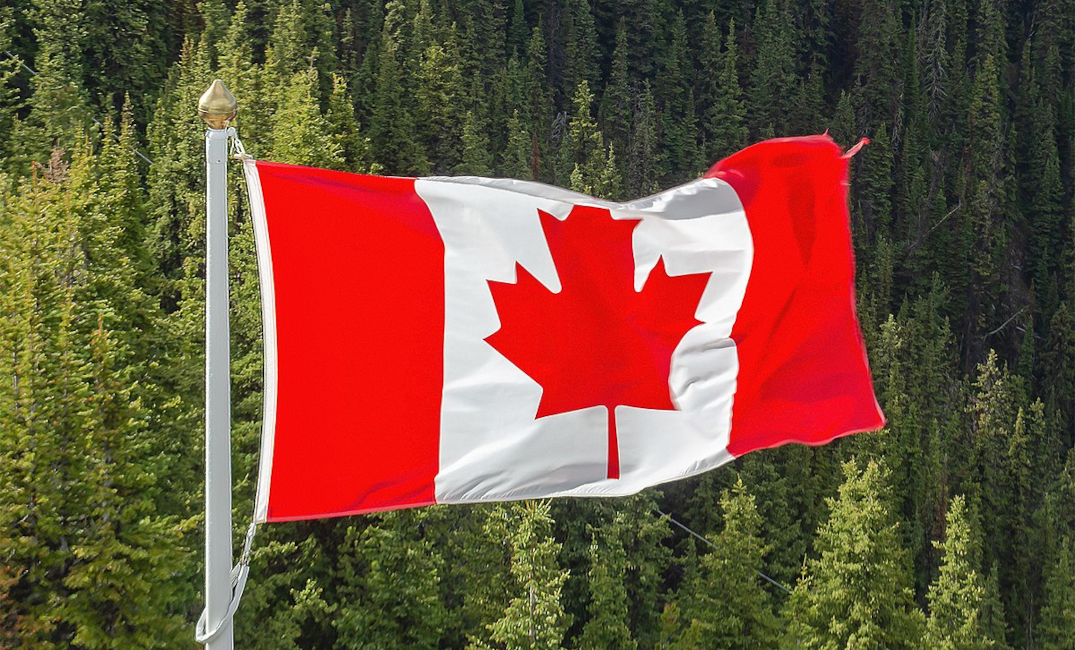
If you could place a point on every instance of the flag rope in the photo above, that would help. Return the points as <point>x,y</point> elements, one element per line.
<point>239,575</point>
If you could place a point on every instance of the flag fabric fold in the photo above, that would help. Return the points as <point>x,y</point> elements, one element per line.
<point>457,340</point>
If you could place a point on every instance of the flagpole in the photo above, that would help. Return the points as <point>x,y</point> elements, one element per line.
<point>217,106</point>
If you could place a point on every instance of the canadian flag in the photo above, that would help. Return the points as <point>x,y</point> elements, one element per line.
<point>458,340</point>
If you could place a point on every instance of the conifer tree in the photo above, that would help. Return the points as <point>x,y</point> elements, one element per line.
<point>535,617</point>
<point>518,154</point>
<point>477,161</point>
<point>723,115</point>
<point>955,597</point>
<point>300,134</point>
<point>79,473</point>
<point>10,99</point>
<point>539,107</point>
<point>582,150</point>
<point>247,79</point>
<point>773,76</point>
<point>856,591</point>
<point>710,618</point>
<point>303,37</point>
<point>58,106</point>
<point>1056,626</point>
<point>392,128</point>
<point>518,32</point>
<point>614,115</point>
<point>340,118</point>
<point>642,152</point>
<point>672,89</point>
<point>608,625</point>
<point>581,51</point>
<point>439,97</point>
<point>389,583</point>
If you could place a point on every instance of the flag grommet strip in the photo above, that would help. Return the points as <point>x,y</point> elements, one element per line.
<point>268,318</point>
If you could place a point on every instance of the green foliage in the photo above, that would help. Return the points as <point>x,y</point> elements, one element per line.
<point>609,623</point>
<point>963,221</point>
<point>534,618</point>
<point>1057,627</point>
<point>955,597</point>
<point>709,618</point>
<point>857,591</point>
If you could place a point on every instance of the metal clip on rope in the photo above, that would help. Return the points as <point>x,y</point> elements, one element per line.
<point>238,582</point>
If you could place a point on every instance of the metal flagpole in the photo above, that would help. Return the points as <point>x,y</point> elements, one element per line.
<point>217,107</point>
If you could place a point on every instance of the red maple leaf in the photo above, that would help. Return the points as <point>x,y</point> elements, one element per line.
<point>597,342</point>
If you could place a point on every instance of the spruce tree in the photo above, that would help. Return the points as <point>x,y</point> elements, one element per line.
<point>440,97</point>
<point>59,112</point>
<point>710,618</point>
<point>956,595</point>
<point>535,617</point>
<point>774,73</point>
<point>517,161</point>
<point>609,622</point>
<point>10,97</point>
<point>582,150</point>
<point>857,590</point>
<point>300,133</point>
<point>672,90</point>
<point>354,147</point>
<point>96,564</point>
<point>581,52</point>
<point>1056,627</point>
<point>392,127</point>
<point>614,115</point>
<point>643,155</point>
<point>477,161</point>
<point>723,115</point>
<point>389,584</point>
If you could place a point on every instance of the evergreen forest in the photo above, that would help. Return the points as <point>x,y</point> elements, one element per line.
<point>952,528</point>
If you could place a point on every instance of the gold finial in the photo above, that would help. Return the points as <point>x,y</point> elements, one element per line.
<point>217,106</point>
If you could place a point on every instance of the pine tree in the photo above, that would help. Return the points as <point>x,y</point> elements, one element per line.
<point>955,597</point>
<point>723,115</point>
<point>389,581</point>
<point>711,618</point>
<point>856,592</point>
<point>609,624</point>
<point>535,617</point>
<point>1056,626</point>
<point>300,134</point>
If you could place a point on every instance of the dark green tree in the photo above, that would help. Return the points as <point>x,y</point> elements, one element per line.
<point>709,618</point>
